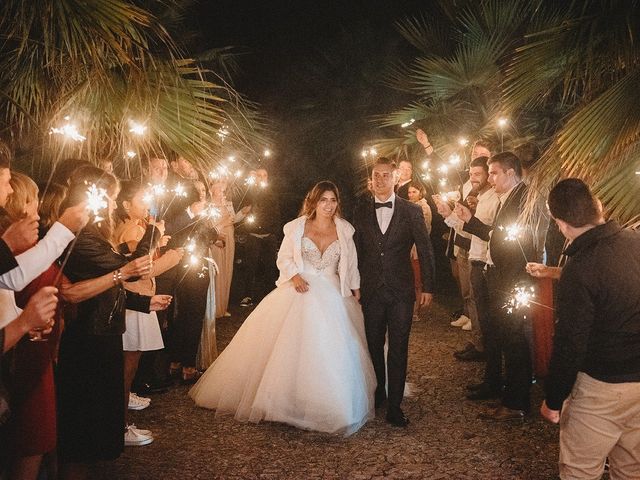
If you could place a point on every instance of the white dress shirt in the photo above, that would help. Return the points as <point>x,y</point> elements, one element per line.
<point>384,214</point>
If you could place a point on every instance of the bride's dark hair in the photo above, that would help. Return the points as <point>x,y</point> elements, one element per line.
<point>313,197</point>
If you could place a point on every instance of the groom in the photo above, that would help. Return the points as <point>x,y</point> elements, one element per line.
<point>387,226</point>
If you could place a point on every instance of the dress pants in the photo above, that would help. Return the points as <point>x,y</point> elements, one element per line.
<point>510,334</point>
<point>468,298</point>
<point>384,313</point>
<point>480,292</point>
<point>186,328</point>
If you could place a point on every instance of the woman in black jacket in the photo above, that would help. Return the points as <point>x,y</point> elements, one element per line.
<point>90,368</point>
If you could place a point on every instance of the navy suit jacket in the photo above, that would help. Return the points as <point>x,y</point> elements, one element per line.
<point>384,260</point>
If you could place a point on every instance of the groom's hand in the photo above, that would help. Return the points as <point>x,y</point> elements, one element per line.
<point>425,299</point>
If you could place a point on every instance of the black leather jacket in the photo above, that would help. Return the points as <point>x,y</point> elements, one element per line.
<point>91,257</point>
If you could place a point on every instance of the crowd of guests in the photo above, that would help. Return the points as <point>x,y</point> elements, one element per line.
<point>131,306</point>
<point>590,359</point>
<point>95,304</point>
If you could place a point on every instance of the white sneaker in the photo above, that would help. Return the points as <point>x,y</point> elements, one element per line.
<point>467,326</point>
<point>143,399</point>
<point>461,321</point>
<point>137,403</point>
<point>132,438</point>
<point>140,430</point>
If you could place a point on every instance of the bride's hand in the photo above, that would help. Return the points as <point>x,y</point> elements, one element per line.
<point>300,283</point>
<point>356,294</point>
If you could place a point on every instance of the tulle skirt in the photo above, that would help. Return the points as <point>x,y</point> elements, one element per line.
<point>299,359</point>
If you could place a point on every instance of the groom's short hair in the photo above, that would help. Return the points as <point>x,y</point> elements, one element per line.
<point>386,161</point>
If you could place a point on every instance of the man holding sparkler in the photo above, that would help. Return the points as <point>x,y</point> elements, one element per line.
<point>594,375</point>
<point>510,246</point>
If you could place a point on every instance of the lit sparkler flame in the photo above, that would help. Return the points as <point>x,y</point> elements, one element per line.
<point>463,142</point>
<point>409,123</point>
<point>238,173</point>
<point>521,297</point>
<point>190,246</point>
<point>251,218</point>
<point>250,181</point>
<point>179,190</point>
<point>137,128</point>
<point>211,212</point>
<point>267,152</point>
<point>131,154</point>
<point>96,201</point>
<point>502,122</point>
<point>454,159</point>
<point>223,133</point>
<point>443,182</point>
<point>68,130</point>
<point>444,168</point>
<point>425,165</point>
<point>513,232</point>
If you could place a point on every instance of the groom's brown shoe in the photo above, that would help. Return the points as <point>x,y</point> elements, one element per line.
<point>396,417</point>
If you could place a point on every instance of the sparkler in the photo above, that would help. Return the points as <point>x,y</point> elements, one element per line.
<point>251,218</point>
<point>137,128</point>
<point>502,122</point>
<point>513,232</point>
<point>454,159</point>
<point>408,124</point>
<point>131,154</point>
<point>96,201</point>
<point>522,297</point>
<point>223,133</point>
<point>211,212</point>
<point>463,142</point>
<point>68,130</point>
<point>267,153</point>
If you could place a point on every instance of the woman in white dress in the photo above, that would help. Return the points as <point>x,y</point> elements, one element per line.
<point>301,356</point>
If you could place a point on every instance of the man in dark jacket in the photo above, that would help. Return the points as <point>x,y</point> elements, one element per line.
<point>510,247</point>
<point>386,228</point>
<point>594,374</point>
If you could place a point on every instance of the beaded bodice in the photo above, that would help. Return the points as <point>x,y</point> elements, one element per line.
<point>321,262</point>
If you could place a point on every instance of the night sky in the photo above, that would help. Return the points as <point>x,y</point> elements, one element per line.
<point>316,69</point>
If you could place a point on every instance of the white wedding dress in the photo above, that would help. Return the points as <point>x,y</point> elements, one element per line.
<point>299,358</point>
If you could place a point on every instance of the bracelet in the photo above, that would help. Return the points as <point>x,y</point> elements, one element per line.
<point>117,277</point>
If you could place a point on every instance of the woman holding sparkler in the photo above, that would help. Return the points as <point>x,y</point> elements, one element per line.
<point>193,230</point>
<point>90,367</point>
<point>32,429</point>
<point>142,329</point>
<point>301,356</point>
<point>225,246</point>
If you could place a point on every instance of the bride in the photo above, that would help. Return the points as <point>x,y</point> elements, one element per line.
<point>301,357</point>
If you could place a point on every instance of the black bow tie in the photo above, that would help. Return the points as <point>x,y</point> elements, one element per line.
<point>385,204</point>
